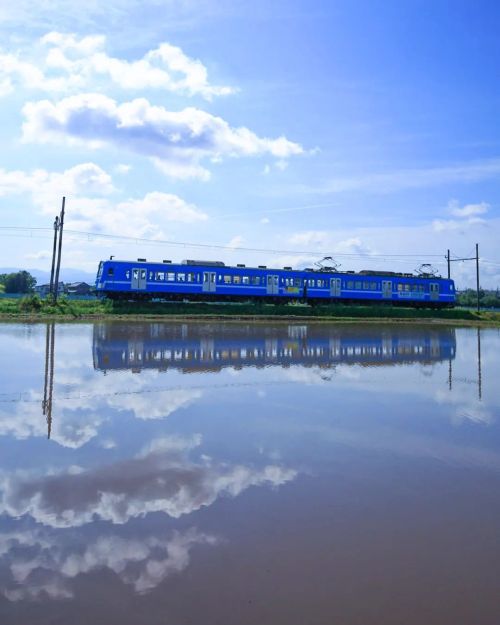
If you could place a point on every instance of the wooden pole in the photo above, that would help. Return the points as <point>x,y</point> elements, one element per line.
<point>477,274</point>
<point>61,226</point>
<point>56,228</point>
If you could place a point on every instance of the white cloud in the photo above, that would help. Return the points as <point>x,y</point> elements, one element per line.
<point>84,186</point>
<point>176,140</point>
<point>121,168</point>
<point>443,225</point>
<point>469,210</point>
<point>309,237</point>
<point>390,182</point>
<point>62,62</point>
<point>236,242</point>
<point>265,220</point>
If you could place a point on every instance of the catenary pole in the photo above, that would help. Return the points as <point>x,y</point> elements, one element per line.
<point>58,267</point>
<point>56,228</point>
<point>448,259</point>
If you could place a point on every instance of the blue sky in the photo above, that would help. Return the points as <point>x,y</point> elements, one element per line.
<point>366,131</point>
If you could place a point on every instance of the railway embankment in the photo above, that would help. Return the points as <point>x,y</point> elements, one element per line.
<point>32,308</point>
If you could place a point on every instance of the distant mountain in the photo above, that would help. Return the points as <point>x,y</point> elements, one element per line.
<point>66,275</point>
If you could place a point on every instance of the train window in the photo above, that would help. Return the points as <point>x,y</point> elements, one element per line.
<point>350,284</point>
<point>321,283</point>
<point>236,279</point>
<point>406,287</point>
<point>181,277</point>
<point>366,286</point>
<point>421,288</point>
<point>143,274</point>
<point>297,281</point>
<point>127,275</point>
<point>190,277</point>
<point>245,280</point>
<point>135,274</point>
<point>160,275</point>
<point>227,280</point>
<point>171,276</point>
<point>150,275</point>
<point>373,286</point>
<point>256,280</point>
<point>111,271</point>
<point>400,286</point>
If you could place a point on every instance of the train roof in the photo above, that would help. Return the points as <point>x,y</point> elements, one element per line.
<point>323,270</point>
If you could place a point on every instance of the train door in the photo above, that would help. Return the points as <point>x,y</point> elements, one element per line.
<point>209,281</point>
<point>273,285</point>
<point>335,284</point>
<point>386,289</point>
<point>138,279</point>
<point>434,291</point>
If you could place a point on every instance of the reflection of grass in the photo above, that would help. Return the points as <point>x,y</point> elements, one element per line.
<point>36,308</point>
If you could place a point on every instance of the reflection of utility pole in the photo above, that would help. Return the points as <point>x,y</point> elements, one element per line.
<point>450,374</point>
<point>49,376</point>
<point>479,377</point>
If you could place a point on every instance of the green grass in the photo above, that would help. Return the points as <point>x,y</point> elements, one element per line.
<point>34,307</point>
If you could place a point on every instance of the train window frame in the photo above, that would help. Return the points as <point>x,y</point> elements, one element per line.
<point>256,280</point>
<point>127,274</point>
<point>135,274</point>
<point>245,280</point>
<point>170,276</point>
<point>228,279</point>
<point>181,277</point>
<point>321,283</point>
<point>350,285</point>
<point>237,280</point>
<point>160,275</point>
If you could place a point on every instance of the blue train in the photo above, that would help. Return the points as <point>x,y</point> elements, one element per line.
<point>197,280</point>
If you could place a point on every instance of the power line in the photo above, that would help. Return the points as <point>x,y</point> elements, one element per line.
<point>167,242</point>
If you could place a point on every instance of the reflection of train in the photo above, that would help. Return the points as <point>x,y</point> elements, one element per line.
<point>201,347</point>
<point>214,281</point>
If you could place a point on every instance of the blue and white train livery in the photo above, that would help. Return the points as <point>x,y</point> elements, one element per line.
<point>197,280</point>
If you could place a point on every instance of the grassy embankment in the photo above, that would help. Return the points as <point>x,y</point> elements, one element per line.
<point>31,307</point>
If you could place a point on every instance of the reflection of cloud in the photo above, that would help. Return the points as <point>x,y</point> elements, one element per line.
<point>77,421</point>
<point>467,408</point>
<point>161,479</point>
<point>38,562</point>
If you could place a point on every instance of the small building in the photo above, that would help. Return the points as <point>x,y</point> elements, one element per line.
<point>78,288</point>
<point>43,289</point>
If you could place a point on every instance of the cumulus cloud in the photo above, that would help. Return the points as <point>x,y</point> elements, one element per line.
<point>90,207</point>
<point>63,62</point>
<point>468,210</point>
<point>309,237</point>
<point>177,141</point>
<point>160,479</point>
<point>38,562</point>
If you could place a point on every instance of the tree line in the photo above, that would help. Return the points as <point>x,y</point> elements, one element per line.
<point>18,282</point>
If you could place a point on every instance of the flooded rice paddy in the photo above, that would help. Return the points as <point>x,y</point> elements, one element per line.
<point>202,474</point>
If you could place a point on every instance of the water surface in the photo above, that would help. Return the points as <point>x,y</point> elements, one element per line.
<point>195,473</point>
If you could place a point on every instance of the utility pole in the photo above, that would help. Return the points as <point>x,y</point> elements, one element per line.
<point>448,259</point>
<point>56,228</point>
<point>477,274</point>
<point>459,260</point>
<point>61,226</point>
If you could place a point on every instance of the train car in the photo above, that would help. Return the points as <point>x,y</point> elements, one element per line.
<point>197,280</point>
